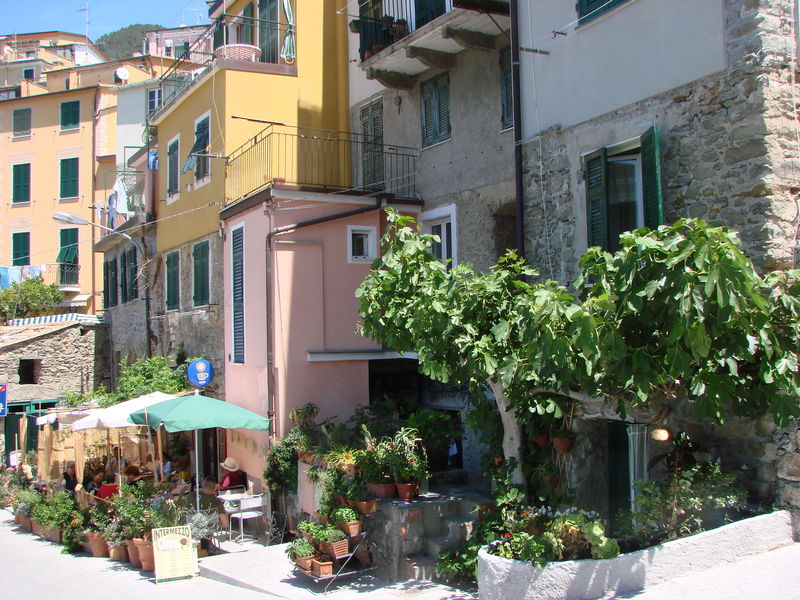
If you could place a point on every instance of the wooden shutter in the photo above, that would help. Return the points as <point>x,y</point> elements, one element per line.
<point>133,267</point>
<point>112,283</point>
<point>372,150</point>
<point>69,177</point>
<point>237,251</point>
<point>200,274</point>
<point>651,178</point>
<point>247,34</point>
<point>219,33</point>
<point>172,168</point>
<point>106,269</point>
<point>21,248</point>
<point>427,10</point>
<point>123,277</point>
<point>506,89</point>
<point>428,109</point>
<point>22,121</point>
<point>619,484</point>
<point>442,94</point>
<point>173,281</point>
<point>588,9</point>
<point>70,114</point>
<point>21,186</point>
<point>596,198</point>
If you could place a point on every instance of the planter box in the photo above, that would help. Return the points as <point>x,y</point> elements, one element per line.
<point>501,578</point>
<point>382,490</point>
<point>350,528</point>
<point>304,562</point>
<point>321,569</point>
<point>53,534</point>
<point>26,523</point>
<point>336,549</point>
<point>36,528</point>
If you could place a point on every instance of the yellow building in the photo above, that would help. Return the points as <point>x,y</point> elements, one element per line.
<point>57,154</point>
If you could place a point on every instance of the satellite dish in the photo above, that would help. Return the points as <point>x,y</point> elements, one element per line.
<point>122,73</point>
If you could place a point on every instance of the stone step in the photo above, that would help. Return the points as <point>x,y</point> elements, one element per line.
<point>435,545</point>
<point>460,528</point>
<point>435,515</point>
<point>418,567</point>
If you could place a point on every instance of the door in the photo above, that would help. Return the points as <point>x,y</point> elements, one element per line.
<point>269,30</point>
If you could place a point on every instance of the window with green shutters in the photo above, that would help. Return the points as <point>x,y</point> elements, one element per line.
<point>372,145</point>
<point>111,289</point>
<point>200,164</point>
<point>589,9</point>
<point>22,122</point>
<point>21,183</point>
<point>623,190</point>
<point>173,173</point>
<point>69,178</point>
<point>200,273</point>
<point>123,277</point>
<point>21,248</point>
<point>506,90</point>
<point>70,115</point>
<point>133,287</point>
<point>237,276</point>
<point>435,109</point>
<point>173,281</point>
<point>68,256</point>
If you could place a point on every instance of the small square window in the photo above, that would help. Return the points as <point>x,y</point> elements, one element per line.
<point>29,371</point>
<point>360,244</point>
<point>28,74</point>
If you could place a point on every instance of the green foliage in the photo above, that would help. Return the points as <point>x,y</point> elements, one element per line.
<point>25,500</point>
<point>330,534</point>
<point>300,548</point>
<point>54,511</point>
<point>344,514</point>
<point>691,500</point>
<point>280,472</point>
<point>72,536</point>
<point>140,508</point>
<point>123,42</point>
<point>29,298</point>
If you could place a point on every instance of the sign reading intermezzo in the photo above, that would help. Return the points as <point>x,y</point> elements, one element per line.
<point>174,553</point>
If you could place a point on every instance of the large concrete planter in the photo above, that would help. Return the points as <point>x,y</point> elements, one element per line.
<point>502,578</point>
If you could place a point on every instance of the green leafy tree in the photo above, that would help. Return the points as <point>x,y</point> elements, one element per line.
<point>123,42</point>
<point>29,298</point>
<point>644,323</point>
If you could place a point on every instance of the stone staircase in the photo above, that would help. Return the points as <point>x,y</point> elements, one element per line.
<point>406,537</point>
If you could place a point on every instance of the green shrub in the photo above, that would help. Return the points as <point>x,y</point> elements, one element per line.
<point>331,534</point>
<point>25,501</point>
<point>300,548</point>
<point>344,514</point>
<point>55,511</point>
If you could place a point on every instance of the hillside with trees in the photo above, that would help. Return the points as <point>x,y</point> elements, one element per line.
<point>122,43</point>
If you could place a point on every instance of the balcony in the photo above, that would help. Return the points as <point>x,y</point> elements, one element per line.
<point>319,160</point>
<point>399,39</point>
<point>63,275</point>
<point>232,42</point>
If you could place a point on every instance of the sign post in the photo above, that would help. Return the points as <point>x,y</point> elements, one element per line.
<point>174,553</point>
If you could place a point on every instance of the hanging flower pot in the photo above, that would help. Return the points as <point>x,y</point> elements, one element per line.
<point>563,445</point>
<point>541,439</point>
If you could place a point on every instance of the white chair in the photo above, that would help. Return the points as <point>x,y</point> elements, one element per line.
<point>249,507</point>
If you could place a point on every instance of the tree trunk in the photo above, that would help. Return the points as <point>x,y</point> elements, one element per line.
<point>512,435</point>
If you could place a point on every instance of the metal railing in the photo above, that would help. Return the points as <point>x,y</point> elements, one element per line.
<point>317,158</point>
<point>231,37</point>
<point>382,23</point>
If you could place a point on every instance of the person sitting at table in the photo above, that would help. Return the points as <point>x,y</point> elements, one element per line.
<point>96,481</point>
<point>108,488</point>
<point>177,486</point>
<point>69,481</point>
<point>209,500</point>
<point>147,464</point>
<point>233,476</point>
<point>133,473</point>
<point>168,469</point>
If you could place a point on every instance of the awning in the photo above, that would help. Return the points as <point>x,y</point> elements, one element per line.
<point>65,417</point>
<point>116,416</point>
<point>67,254</point>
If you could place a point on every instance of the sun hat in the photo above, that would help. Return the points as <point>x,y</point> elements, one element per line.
<point>230,464</point>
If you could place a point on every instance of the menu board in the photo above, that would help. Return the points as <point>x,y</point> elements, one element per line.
<point>174,553</point>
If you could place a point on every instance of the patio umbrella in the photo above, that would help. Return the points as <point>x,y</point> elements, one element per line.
<point>195,412</point>
<point>116,415</point>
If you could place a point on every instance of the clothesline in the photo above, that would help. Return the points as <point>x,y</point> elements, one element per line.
<point>11,275</point>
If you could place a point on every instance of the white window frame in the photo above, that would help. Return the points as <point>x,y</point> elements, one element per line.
<point>372,252</point>
<point>198,183</point>
<point>173,197</point>
<point>157,92</point>
<point>439,216</point>
<point>636,160</point>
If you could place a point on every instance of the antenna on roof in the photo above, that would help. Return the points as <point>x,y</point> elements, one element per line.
<point>86,10</point>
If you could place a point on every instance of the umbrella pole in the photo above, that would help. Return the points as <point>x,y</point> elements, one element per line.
<point>197,469</point>
<point>159,454</point>
<point>119,464</point>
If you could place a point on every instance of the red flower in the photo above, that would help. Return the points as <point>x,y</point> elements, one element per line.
<point>508,535</point>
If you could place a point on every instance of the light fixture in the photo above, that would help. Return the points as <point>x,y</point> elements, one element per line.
<point>660,434</point>
<point>65,217</point>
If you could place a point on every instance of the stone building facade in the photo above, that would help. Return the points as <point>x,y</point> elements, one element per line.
<point>729,152</point>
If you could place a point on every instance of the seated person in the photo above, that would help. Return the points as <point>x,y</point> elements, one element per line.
<point>94,484</point>
<point>177,486</point>
<point>108,488</point>
<point>133,473</point>
<point>168,469</point>
<point>148,464</point>
<point>209,500</point>
<point>69,481</point>
<point>233,478</point>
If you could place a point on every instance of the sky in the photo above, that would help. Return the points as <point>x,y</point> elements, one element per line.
<point>105,16</point>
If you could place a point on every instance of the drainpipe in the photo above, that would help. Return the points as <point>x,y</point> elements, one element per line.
<point>517,118</point>
<point>268,255</point>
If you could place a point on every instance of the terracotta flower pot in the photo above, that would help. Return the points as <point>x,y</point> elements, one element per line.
<point>350,528</point>
<point>382,490</point>
<point>36,528</point>
<point>119,553</point>
<point>541,439</point>
<point>365,507</point>
<point>563,445</point>
<point>145,549</point>
<point>18,518</point>
<point>304,562</point>
<point>53,534</point>
<point>336,549</point>
<point>339,499</point>
<point>407,491</point>
<point>26,523</point>
<point>321,569</point>
<point>97,544</point>
<point>133,554</point>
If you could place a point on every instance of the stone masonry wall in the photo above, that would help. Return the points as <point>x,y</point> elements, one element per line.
<point>199,328</point>
<point>730,152</point>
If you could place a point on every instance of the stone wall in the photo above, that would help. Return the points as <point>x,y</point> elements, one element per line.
<point>72,358</point>
<point>200,329</point>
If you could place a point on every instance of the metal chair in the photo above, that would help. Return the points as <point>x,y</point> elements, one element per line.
<point>249,507</point>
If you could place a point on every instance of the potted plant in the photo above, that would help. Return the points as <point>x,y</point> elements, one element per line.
<point>301,552</point>
<point>311,531</point>
<point>203,525</point>
<point>115,539</point>
<point>24,502</point>
<point>346,519</point>
<point>375,465</point>
<point>356,497</point>
<point>98,522</point>
<point>333,542</point>
<point>563,440</point>
<point>410,466</point>
<point>53,513</point>
<point>321,567</point>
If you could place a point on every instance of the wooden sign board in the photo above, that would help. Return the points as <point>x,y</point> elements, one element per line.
<point>174,553</point>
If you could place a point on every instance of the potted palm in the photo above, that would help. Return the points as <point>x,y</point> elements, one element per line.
<point>301,552</point>
<point>346,519</point>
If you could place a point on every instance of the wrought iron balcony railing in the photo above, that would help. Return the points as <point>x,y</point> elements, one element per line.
<point>320,159</point>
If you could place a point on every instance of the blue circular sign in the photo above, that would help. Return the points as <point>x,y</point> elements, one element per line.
<point>200,372</point>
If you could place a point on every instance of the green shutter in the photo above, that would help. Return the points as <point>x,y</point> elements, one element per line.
<point>22,122</point>
<point>133,267</point>
<point>506,90</point>
<point>237,251</point>
<point>651,178</point>
<point>247,34</point>
<point>219,33</point>
<point>70,114</point>
<point>426,11</point>
<point>427,110</point>
<point>596,199</point>
<point>69,178</point>
<point>589,9</point>
<point>619,482</point>
<point>372,149</point>
<point>69,246</point>
<point>173,281</point>
<point>443,107</point>
<point>21,248</point>
<point>21,185</point>
<point>200,273</point>
<point>123,277</point>
<point>172,168</point>
<point>112,284</point>
<point>106,269</point>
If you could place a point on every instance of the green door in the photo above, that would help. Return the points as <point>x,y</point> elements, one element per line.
<point>619,481</point>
